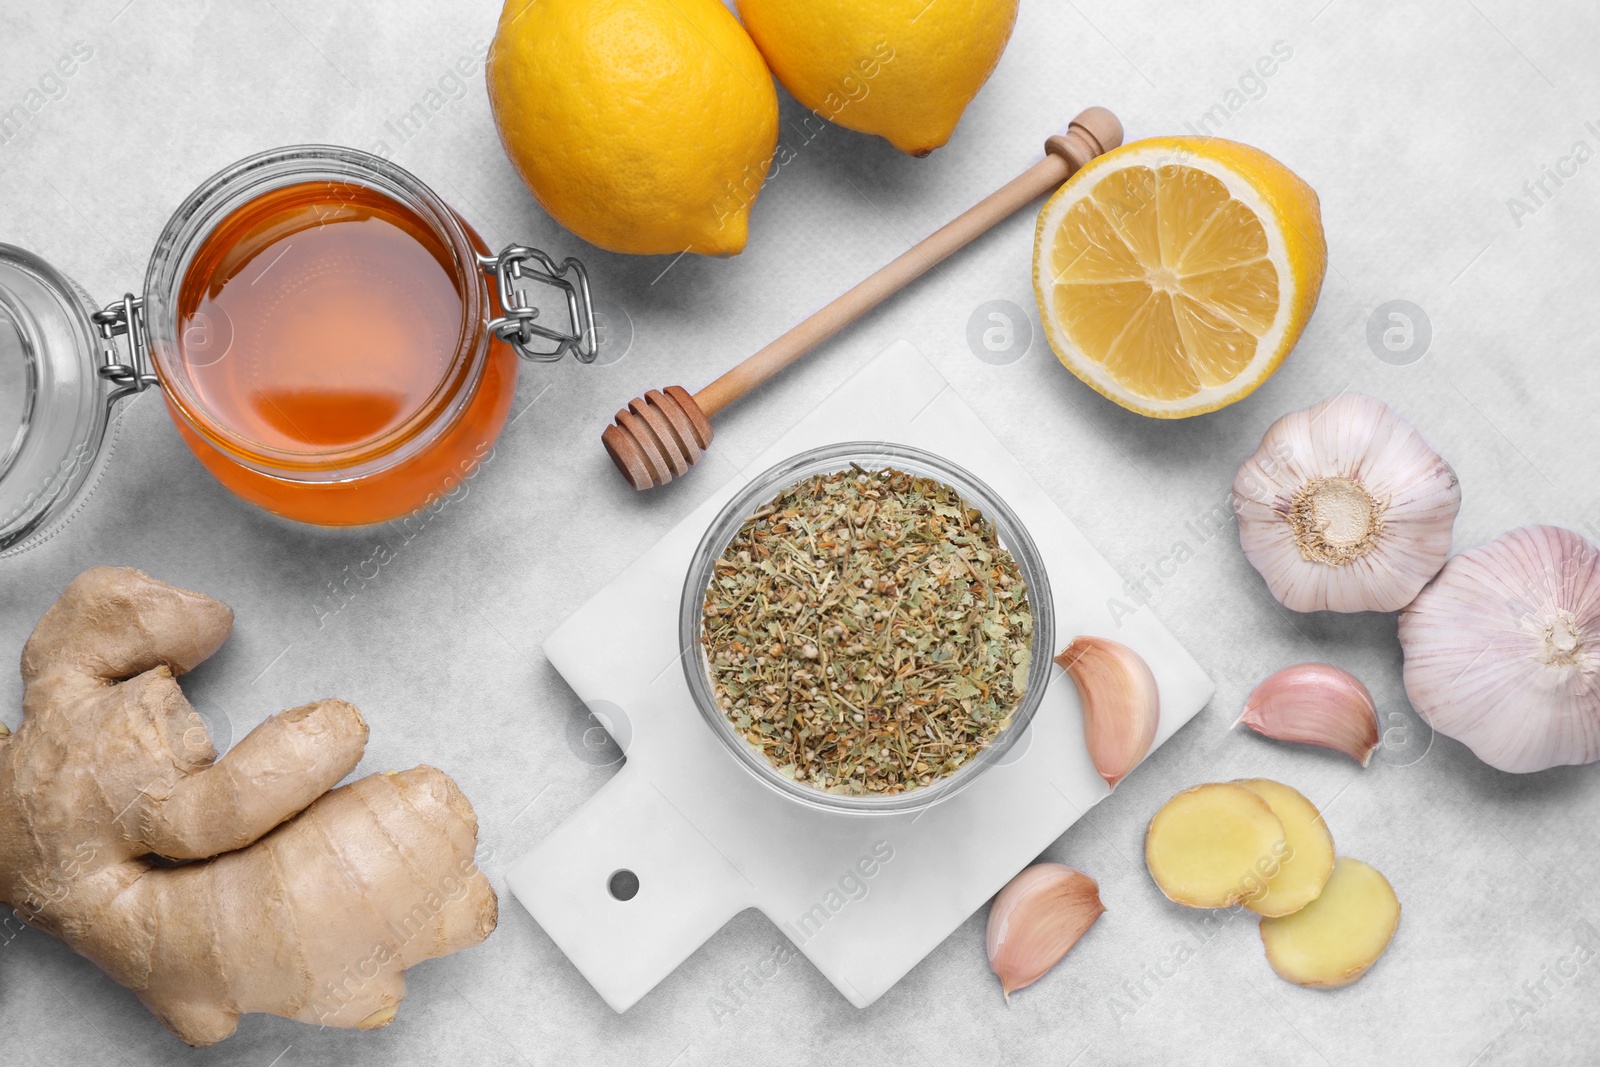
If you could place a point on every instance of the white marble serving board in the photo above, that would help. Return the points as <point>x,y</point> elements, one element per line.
<point>863,897</point>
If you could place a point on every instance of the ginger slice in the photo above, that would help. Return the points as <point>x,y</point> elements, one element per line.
<point>1307,863</point>
<point>1214,845</point>
<point>1333,940</point>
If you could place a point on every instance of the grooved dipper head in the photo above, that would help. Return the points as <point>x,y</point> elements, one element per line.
<point>657,437</point>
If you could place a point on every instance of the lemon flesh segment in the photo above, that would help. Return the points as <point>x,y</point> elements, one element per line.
<point>1335,939</point>
<point>1214,845</point>
<point>1207,290</point>
<point>1175,288</point>
<point>1306,864</point>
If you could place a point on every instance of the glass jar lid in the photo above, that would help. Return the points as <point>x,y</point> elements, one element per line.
<point>54,406</point>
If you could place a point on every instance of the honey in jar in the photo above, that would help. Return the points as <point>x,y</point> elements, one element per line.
<point>320,324</point>
<point>332,340</point>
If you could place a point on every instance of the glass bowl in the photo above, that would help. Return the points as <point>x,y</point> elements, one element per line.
<point>870,455</point>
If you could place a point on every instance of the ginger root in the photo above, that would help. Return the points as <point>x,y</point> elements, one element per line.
<point>301,902</point>
<point>1333,940</point>
<point>1214,845</point>
<point>1308,861</point>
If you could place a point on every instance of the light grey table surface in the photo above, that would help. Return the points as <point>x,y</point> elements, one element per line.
<point>1418,123</point>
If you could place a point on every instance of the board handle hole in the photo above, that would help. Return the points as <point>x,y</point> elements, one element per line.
<point>623,885</point>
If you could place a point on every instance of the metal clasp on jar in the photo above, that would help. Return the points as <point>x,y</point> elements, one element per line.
<point>517,327</point>
<point>128,365</point>
<point>132,374</point>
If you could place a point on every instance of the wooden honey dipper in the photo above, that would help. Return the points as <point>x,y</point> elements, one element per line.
<point>659,436</point>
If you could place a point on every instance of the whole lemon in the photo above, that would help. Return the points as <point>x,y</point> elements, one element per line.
<point>902,69</point>
<point>642,126</point>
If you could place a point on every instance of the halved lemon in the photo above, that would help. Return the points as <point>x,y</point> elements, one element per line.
<point>1175,274</point>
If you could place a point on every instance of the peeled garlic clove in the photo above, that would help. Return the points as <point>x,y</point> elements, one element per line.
<point>1344,507</point>
<point>1317,704</point>
<point>1036,919</point>
<point>1502,650</point>
<point>1121,706</point>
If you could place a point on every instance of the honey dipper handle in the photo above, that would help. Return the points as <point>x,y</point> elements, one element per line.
<point>1091,133</point>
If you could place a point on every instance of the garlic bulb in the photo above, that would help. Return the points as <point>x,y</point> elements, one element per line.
<point>1036,919</point>
<point>1318,704</point>
<point>1502,650</point>
<point>1121,706</point>
<point>1344,507</point>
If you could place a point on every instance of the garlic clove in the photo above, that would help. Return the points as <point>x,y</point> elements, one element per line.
<point>1036,919</point>
<point>1315,704</point>
<point>1344,507</point>
<point>1502,650</point>
<point>1121,705</point>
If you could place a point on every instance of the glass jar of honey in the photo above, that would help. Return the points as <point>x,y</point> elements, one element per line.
<point>333,341</point>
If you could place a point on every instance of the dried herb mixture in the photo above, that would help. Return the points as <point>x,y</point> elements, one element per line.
<point>867,632</point>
